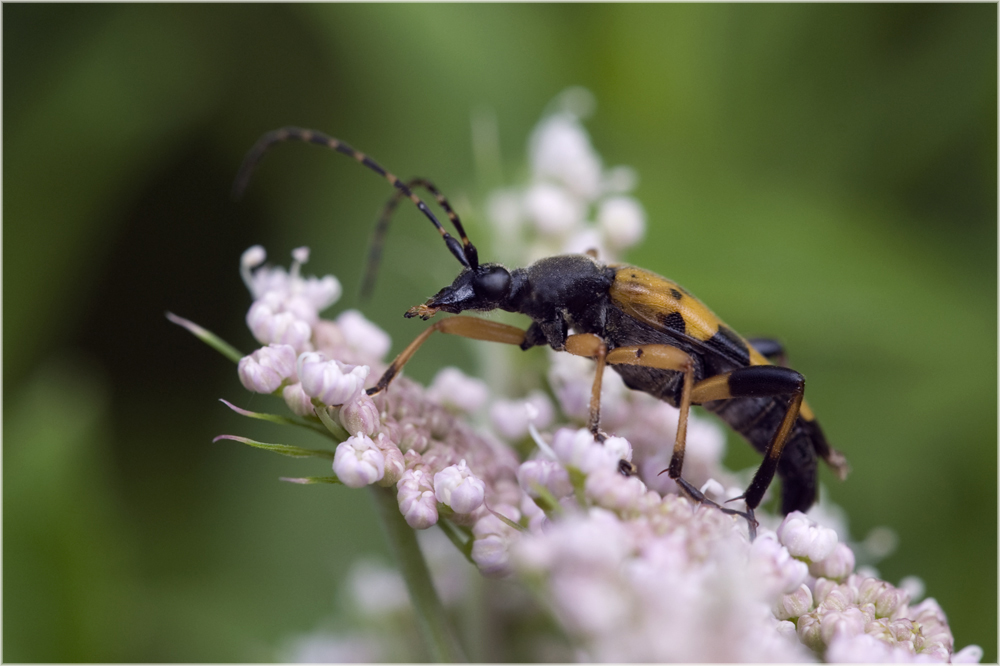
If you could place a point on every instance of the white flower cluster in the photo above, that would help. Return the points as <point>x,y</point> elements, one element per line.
<point>631,569</point>
<point>571,203</point>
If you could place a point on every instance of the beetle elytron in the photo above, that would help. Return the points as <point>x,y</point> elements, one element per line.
<point>658,337</point>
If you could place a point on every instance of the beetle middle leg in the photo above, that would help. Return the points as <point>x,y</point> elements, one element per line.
<point>665,357</point>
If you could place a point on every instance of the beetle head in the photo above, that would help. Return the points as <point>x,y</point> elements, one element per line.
<point>485,287</point>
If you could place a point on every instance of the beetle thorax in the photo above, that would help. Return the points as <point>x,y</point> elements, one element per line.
<point>571,285</point>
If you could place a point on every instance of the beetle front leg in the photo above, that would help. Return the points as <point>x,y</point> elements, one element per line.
<point>591,346</point>
<point>467,327</point>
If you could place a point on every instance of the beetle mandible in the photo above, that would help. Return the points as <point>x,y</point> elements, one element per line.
<point>661,340</point>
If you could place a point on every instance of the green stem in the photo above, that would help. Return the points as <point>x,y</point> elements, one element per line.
<point>431,618</point>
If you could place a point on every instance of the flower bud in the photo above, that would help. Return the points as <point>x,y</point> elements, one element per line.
<point>459,488</point>
<point>270,324</point>
<point>577,448</point>
<point>771,563</point>
<point>395,464</point>
<point>412,438</point>
<point>358,462</point>
<point>492,539</point>
<point>837,565</point>
<point>297,400</point>
<point>848,622</point>
<point>253,256</point>
<point>806,539</point>
<point>619,447</point>
<point>264,370</point>
<point>333,382</point>
<point>791,606</point>
<point>416,499</point>
<point>360,415</point>
<point>547,474</point>
<point>609,489</point>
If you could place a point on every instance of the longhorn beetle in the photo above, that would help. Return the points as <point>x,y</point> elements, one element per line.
<point>655,334</point>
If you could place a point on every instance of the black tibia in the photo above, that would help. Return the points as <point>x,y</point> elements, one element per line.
<point>763,407</point>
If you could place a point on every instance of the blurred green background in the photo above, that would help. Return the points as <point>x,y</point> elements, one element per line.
<point>826,174</point>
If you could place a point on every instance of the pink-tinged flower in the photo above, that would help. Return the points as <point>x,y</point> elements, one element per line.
<point>453,388</point>
<point>622,220</point>
<point>251,258</point>
<point>864,649</point>
<point>297,400</point>
<point>457,487</point>
<point>577,448</point>
<point>417,503</point>
<point>806,539</point>
<point>271,326</point>
<point>358,462</point>
<point>264,370</point>
<point>547,474</point>
<point>367,340</point>
<point>791,606</point>
<point>395,463</point>
<point>360,415</point>
<point>771,564</point>
<point>333,382</point>
<point>837,565</point>
<point>492,540</point>
<point>971,654</point>
<point>609,489</point>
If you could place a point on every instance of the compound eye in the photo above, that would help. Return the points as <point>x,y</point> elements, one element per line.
<point>492,284</point>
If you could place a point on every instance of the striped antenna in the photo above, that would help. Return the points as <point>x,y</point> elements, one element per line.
<point>465,251</point>
<point>382,229</point>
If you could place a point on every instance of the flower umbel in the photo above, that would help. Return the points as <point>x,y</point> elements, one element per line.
<point>628,568</point>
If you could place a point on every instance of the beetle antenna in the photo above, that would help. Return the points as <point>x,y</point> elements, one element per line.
<point>465,252</point>
<point>382,229</point>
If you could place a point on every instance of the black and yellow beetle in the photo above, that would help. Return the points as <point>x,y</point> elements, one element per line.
<point>657,336</point>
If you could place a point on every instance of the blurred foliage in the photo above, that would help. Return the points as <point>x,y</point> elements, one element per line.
<point>825,174</point>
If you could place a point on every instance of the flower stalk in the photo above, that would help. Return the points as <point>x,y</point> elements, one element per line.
<point>431,619</point>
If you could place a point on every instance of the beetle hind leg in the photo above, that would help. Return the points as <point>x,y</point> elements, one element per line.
<point>665,357</point>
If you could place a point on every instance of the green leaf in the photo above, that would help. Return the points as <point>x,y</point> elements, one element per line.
<point>309,480</point>
<point>546,501</point>
<point>507,521</point>
<point>209,338</point>
<point>335,428</point>
<point>283,449</point>
<point>276,418</point>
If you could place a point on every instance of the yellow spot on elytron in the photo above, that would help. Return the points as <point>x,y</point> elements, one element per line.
<point>647,297</point>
